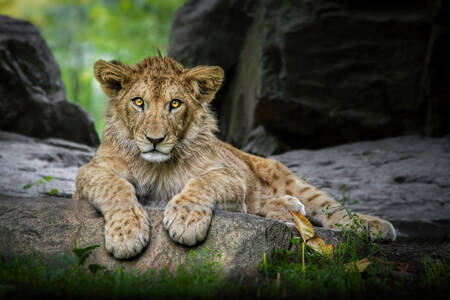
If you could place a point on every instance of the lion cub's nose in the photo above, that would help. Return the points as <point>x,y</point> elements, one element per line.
<point>155,141</point>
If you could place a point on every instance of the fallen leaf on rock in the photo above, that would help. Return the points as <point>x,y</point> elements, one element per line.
<point>303,226</point>
<point>360,265</point>
<point>319,245</point>
<point>309,236</point>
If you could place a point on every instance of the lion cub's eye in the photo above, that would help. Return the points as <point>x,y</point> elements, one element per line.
<point>138,102</point>
<point>175,103</point>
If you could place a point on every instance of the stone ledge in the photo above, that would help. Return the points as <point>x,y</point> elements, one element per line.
<point>47,225</point>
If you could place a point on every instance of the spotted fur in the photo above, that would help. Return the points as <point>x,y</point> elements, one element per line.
<point>189,168</point>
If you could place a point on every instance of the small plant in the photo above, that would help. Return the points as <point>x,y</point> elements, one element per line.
<point>264,265</point>
<point>42,186</point>
<point>436,272</point>
<point>346,270</point>
<point>81,254</point>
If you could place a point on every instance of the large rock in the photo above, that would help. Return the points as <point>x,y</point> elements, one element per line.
<point>32,95</point>
<point>403,179</point>
<point>47,226</point>
<point>321,73</point>
<point>192,43</point>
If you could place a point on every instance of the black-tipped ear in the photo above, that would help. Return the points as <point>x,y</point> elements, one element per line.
<point>205,81</point>
<point>112,76</point>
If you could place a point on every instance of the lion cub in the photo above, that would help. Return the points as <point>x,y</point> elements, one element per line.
<point>159,141</point>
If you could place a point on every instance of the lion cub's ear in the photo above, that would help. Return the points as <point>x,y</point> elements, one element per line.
<point>205,81</point>
<point>112,76</point>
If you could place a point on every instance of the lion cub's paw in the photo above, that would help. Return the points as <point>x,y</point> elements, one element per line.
<point>127,232</point>
<point>186,222</point>
<point>279,208</point>
<point>293,204</point>
<point>379,228</point>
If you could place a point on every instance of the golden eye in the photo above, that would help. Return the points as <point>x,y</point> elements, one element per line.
<point>175,103</point>
<point>138,101</point>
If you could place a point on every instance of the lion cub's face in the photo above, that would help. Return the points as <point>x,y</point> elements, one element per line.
<point>158,111</point>
<point>155,101</point>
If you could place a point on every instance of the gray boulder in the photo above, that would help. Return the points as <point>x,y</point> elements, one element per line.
<point>32,95</point>
<point>47,226</point>
<point>321,73</point>
<point>403,179</point>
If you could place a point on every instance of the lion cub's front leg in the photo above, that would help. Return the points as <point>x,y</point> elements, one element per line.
<point>188,214</point>
<point>127,226</point>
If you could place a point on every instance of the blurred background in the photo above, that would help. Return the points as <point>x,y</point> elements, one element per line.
<point>299,74</point>
<point>79,32</point>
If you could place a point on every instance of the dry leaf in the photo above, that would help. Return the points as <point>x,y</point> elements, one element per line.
<point>309,236</point>
<point>303,225</point>
<point>319,245</point>
<point>361,265</point>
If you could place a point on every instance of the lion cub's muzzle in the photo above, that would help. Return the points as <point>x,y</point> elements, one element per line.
<point>155,149</point>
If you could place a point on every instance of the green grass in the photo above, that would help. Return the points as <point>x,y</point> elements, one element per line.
<point>297,273</point>
<point>200,277</point>
<point>68,277</point>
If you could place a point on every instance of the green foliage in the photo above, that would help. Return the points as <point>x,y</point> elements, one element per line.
<point>79,32</point>
<point>42,186</point>
<point>437,273</point>
<point>199,276</point>
<point>53,192</point>
<point>308,274</point>
<point>303,271</point>
<point>82,254</point>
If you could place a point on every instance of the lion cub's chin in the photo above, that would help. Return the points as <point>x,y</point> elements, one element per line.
<point>155,157</point>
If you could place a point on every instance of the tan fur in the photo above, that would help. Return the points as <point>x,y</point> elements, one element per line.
<point>193,171</point>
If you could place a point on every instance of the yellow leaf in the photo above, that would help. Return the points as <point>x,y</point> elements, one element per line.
<point>360,265</point>
<point>303,225</point>
<point>319,245</point>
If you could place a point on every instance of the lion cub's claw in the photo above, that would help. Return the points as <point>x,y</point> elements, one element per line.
<point>186,223</point>
<point>127,233</point>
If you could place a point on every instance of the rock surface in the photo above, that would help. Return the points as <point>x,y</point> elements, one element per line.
<point>32,95</point>
<point>48,226</point>
<point>321,73</point>
<point>26,160</point>
<point>403,179</point>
